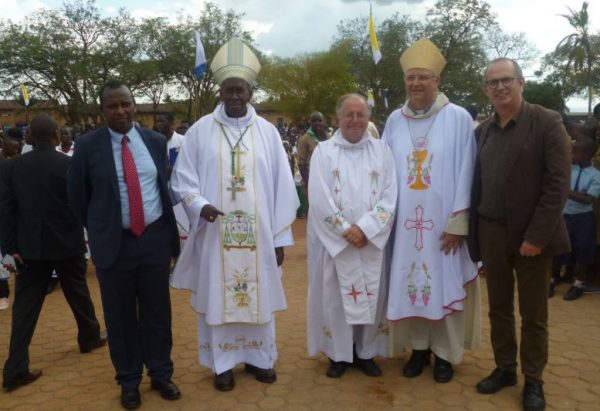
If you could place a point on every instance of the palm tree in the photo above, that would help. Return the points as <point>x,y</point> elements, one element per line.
<point>576,48</point>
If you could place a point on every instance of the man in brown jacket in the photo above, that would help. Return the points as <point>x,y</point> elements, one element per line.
<point>520,186</point>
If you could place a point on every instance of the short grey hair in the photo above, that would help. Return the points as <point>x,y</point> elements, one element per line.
<point>345,97</point>
<point>518,70</point>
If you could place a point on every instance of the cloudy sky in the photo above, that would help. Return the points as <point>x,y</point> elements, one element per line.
<point>289,27</point>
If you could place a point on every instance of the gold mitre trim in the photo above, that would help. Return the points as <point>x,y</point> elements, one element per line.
<point>235,60</point>
<point>423,54</point>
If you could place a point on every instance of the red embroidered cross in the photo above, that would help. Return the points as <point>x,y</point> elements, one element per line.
<point>419,225</point>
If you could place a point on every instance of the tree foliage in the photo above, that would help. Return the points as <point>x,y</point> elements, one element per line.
<point>575,62</point>
<point>545,93</point>
<point>65,55</point>
<point>307,83</point>
<point>467,33</point>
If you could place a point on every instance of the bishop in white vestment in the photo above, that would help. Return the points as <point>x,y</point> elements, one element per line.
<point>433,292</point>
<point>352,187</point>
<point>236,186</point>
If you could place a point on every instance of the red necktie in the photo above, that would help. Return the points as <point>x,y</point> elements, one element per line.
<point>134,192</point>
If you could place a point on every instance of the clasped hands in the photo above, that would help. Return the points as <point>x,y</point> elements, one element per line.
<point>355,236</point>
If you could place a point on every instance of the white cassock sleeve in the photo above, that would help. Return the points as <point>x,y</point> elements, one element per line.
<point>286,197</point>
<point>185,182</point>
<point>330,222</point>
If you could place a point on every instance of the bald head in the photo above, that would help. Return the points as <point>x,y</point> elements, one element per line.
<point>44,129</point>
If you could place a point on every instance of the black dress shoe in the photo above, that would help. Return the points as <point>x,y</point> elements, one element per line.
<point>336,369</point>
<point>552,290</point>
<point>418,360</point>
<point>100,342</point>
<point>533,396</point>
<point>268,376</point>
<point>224,381</point>
<point>442,370</point>
<point>21,379</point>
<point>130,398</point>
<point>368,367</point>
<point>168,389</point>
<point>573,293</point>
<point>497,380</point>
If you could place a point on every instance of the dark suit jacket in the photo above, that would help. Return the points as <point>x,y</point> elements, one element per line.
<point>94,192</point>
<point>35,218</point>
<point>537,186</point>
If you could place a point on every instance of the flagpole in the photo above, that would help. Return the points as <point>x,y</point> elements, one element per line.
<point>374,71</point>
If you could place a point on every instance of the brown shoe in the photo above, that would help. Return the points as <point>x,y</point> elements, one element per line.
<point>21,379</point>
<point>224,381</point>
<point>268,376</point>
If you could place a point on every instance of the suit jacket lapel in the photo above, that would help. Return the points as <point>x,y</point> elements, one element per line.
<point>106,151</point>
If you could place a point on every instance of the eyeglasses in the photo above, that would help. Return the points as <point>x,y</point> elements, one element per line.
<point>419,78</point>
<point>506,81</point>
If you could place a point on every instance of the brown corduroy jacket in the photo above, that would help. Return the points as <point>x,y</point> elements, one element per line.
<point>537,186</point>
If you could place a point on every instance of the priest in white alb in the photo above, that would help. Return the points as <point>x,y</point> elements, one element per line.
<point>353,197</point>
<point>433,296</point>
<point>234,179</point>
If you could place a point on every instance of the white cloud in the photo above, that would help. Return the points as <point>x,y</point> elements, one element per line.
<point>18,10</point>
<point>257,27</point>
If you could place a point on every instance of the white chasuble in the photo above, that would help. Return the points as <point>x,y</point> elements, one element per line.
<point>349,184</point>
<point>434,159</point>
<point>239,166</point>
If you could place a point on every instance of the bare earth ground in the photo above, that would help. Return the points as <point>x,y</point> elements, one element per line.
<point>73,381</point>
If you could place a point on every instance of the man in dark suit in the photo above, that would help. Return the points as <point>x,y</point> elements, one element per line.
<point>118,187</point>
<point>42,234</point>
<point>520,186</point>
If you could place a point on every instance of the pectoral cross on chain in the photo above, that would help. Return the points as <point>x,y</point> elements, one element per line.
<point>236,169</point>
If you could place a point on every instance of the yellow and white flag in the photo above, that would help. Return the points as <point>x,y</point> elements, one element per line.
<point>373,37</point>
<point>370,98</point>
<point>25,94</point>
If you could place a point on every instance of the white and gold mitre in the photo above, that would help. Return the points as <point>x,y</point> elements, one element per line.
<point>235,60</point>
<point>423,54</point>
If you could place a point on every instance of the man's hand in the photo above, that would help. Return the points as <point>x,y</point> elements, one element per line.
<point>13,265</point>
<point>451,242</point>
<point>210,213</point>
<point>355,236</point>
<point>279,255</point>
<point>529,250</point>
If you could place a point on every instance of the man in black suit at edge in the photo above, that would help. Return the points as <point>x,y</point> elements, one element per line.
<point>42,234</point>
<point>118,187</point>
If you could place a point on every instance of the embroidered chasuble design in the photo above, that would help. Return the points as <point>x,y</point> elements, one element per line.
<point>419,176</point>
<point>374,188</point>
<point>419,224</point>
<point>239,237</point>
<point>415,276</point>
<point>354,293</point>
<point>419,166</point>
<point>240,343</point>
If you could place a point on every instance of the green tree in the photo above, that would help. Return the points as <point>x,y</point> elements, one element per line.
<point>576,58</point>
<point>65,55</point>
<point>458,28</point>
<point>172,46</point>
<point>311,82</point>
<point>547,94</point>
<point>394,34</point>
